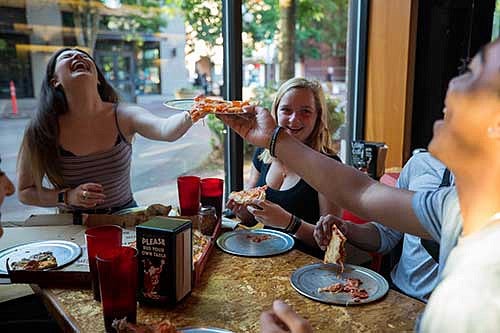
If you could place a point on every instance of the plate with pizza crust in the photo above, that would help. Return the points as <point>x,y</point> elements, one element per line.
<point>202,330</point>
<point>181,104</point>
<point>255,243</point>
<point>64,252</point>
<point>309,279</point>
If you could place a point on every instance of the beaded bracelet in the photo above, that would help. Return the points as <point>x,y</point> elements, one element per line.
<point>274,137</point>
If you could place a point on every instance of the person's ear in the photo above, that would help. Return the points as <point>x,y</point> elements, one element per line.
<point>54,82</point>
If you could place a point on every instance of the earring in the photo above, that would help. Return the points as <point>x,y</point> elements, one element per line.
<point>494,132</point>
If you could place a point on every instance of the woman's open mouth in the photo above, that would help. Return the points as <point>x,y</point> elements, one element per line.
<point>80,66</point>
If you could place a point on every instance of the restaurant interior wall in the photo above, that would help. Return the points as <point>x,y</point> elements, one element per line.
<point>389,83</point>
<point>449,33</point>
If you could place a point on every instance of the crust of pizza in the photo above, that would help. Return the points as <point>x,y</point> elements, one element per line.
<point>335,252</point>
<point>246,197</point>
<point>36,262</point>
<point>205,105</point>
<point>200,241</point>
<point>135,218</point>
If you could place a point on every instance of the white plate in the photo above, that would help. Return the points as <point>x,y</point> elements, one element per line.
<point>65,252</point>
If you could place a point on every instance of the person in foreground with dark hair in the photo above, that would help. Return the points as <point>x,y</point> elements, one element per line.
<point>80,139</point>
<point>465,219</point>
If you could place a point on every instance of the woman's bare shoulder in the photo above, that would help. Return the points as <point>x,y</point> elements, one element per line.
<point>129,110</point>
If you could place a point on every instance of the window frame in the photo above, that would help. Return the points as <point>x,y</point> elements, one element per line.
<point>233,81</point>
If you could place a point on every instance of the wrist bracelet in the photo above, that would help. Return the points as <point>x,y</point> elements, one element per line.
<point>294,226</point>
<point>62,196</point>
<point>289,223</point>
<point>274,138</point>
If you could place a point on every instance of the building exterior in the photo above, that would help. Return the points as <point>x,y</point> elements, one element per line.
<point>143,64</point>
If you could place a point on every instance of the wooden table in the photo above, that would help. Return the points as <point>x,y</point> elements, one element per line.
<point>234,291</point>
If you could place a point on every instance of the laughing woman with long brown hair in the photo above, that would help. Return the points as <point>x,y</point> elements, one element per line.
<point>79,139</point>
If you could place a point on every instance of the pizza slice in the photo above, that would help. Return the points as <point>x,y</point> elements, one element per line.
<point>204,105</point>
<point>246,197</point>
<point>36,262</point>
<point>335,252</point>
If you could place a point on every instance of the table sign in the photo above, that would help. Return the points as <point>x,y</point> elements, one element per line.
<point>165,260</point>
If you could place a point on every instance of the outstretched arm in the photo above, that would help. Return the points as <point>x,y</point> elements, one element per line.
<point>135,119</point>
<point>343,185</point>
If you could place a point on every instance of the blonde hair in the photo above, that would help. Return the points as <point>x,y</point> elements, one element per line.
<point>319,139</point>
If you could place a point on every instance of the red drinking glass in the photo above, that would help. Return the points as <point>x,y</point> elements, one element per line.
<point>118,284</point>
<point>189,194</point>
<point>98,239</point>
<point>212,190</point>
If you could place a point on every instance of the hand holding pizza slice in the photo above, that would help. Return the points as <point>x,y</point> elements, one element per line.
<point>205,105</point>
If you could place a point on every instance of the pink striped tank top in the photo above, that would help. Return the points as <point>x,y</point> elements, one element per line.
<point>111,169</point>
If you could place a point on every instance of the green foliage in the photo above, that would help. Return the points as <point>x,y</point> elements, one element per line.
<point>204,18</point>
<point>153,18</point>
<point>217,128</point>
<point>336,114</point>
<point>260,23</point>
<point>320,21</point>
<point>219,131</point>
<point>264,96</point>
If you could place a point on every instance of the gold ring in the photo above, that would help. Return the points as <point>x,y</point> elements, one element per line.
<point>84,195</point>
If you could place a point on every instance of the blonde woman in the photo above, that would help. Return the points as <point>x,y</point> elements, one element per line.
<point>291,204</point>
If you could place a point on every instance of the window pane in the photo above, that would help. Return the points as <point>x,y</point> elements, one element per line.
<point>496,22</point>
<point>149,52</point>
<point>318,49</point>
